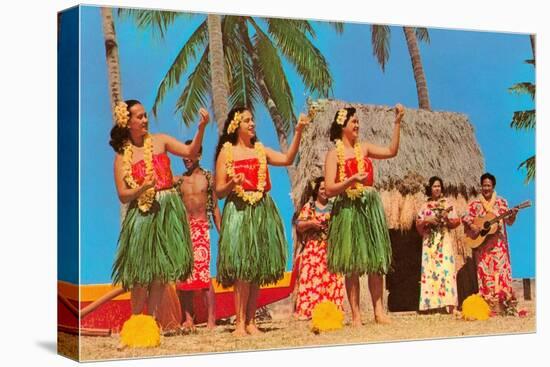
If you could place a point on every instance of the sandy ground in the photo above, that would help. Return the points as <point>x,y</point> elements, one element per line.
<point>288,333</point>
<point>282,331</point>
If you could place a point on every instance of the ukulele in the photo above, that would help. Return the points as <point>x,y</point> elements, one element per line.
<point>489,225</point>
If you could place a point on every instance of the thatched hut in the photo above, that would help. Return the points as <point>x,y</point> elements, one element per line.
<point>432,143</point>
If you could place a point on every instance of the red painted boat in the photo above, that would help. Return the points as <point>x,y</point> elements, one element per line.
<point>111,314</point>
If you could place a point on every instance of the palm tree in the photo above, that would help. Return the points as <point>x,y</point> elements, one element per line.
<point>111,51</point>
<point>526,120</point>
<point>380,39</point>
<point>217,69</point>
<point>252,50</point>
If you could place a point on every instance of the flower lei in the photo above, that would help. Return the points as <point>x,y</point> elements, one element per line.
<point>234,124</point>
<point>358,189</point>
<point>122,115</point>
<point>436,231</point>
<point>145,200</point>
<point>489,205</point>
<point>251,197</point>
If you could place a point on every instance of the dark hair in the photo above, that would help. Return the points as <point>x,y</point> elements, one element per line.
<point>431,182</point>
<point>119,135</point>
<point>316,186</point>
<point>489,176</point>
<point>336,128</point>
<point>232,138</point>
<point>189,141</point>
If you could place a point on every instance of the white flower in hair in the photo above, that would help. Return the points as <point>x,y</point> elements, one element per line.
<point>342,114</point>
<point>121,114</point>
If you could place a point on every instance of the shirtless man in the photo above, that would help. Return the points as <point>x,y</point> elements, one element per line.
<point>197,192</point>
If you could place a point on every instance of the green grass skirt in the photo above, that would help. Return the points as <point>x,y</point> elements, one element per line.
<point>252,244</point>
<point>358,239</point>
<point>154,245</point>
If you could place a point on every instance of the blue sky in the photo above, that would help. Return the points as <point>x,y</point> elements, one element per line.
<point>467,72</point>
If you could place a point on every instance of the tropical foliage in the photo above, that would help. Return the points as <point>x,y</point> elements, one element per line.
<point>526,119</point>
<point>380,40</point>
<point>254,51</point>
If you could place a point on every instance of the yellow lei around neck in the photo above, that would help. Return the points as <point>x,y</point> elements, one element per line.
<point>250,197</point>
<point>145,200</point>
<point>358,188</point>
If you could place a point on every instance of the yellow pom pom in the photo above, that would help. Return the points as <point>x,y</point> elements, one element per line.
<point>326,316</point>
<point>475,308</point>
<point>140,331</point>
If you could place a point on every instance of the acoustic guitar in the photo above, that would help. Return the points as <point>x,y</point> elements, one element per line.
<point>489,225</point>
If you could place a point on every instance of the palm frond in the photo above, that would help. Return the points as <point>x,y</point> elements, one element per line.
<point>189,51</point>
<point>422,34</point>
<point>380,39</point>
<point>311,65</point>
<point>275,78</point>
<point>158,20</point>
<point>196,92</point>
<point>243,90</point>
<point>338,26</point>
<point>303,25</point>
<point>524,120</point>
<point>530,166</point>
<point>523,88</point>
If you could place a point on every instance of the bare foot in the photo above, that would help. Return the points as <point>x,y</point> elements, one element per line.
<point>172,332</point>
<point>121,346</point>
<point>356,323</point>
<point>253,330</point>
<point>211,325</point>
<point>189,326</point>
<point>382,319</point>
<point>240,332</point>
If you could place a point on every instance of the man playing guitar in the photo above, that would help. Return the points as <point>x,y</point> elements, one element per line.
<point>492,258</point>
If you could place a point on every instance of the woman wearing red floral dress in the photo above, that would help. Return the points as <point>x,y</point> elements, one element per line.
<point>494,273</point>
<point>316,283</point>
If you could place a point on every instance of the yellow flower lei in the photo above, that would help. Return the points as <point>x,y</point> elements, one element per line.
<point>251,197</point>
<point>326,316</point>
<point>145,200</point>
<point>475,308</point>
<point>234,124</point>
<point>358,189</point>
<point>140,331</point>
<point>121,114</point>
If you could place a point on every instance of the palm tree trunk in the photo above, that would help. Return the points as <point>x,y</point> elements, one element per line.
<point>113,72</point>
<point>266,96</point>
<point>217,70</point>
<point>111,50</point>
<point>532,37</point>
<point>418,70</point>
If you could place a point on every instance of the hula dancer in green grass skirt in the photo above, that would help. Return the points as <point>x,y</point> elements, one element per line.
<point>358,240</point>
<point>154,245</point>
<point>252,247</point>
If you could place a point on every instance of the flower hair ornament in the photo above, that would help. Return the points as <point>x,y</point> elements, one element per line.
<point>122,115</point>
<point>342,115</point>
<point>234,124</point>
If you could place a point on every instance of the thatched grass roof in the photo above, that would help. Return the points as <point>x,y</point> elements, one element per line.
<point>432,143</point>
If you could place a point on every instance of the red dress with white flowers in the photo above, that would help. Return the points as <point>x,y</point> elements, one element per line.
<point>316,283</point>
<point>494,271</point>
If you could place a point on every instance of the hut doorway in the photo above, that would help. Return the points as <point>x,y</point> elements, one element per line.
<point>403,281</point>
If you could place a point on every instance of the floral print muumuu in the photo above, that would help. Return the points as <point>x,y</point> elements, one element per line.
<point>494,272</point>
<point>316,283</point>
<point>438,274</point>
